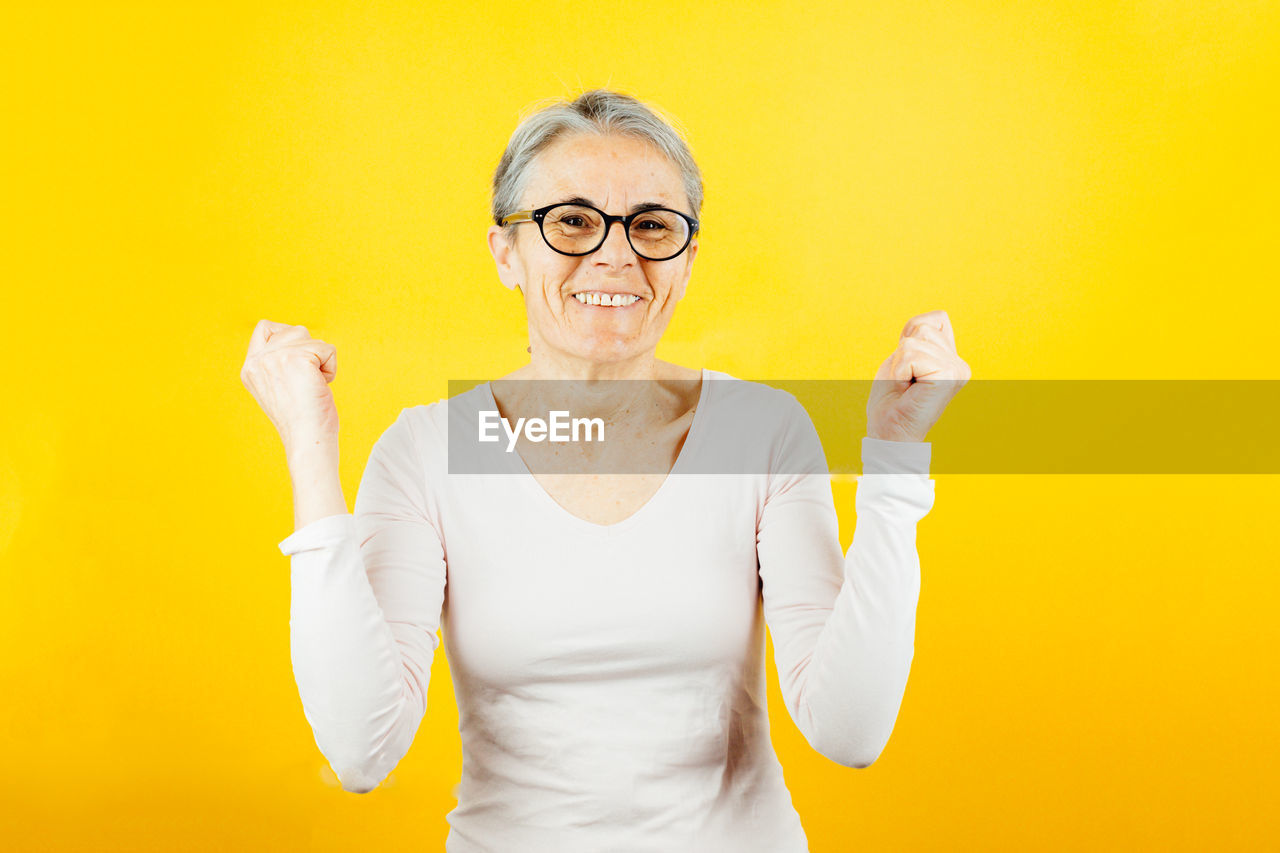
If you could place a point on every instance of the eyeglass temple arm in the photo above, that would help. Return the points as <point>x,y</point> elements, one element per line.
<point>518,216</point>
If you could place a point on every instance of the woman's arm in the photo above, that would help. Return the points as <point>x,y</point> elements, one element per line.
<point>367,591</point>
<point>843,626</point>
<point>317,487</point>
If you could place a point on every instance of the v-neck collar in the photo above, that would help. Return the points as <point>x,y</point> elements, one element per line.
<point>686,450</point>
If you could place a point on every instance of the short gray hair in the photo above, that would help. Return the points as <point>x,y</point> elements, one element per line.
<point>598,111</point>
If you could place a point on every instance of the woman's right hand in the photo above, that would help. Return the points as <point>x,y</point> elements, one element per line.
<point>288,372</point>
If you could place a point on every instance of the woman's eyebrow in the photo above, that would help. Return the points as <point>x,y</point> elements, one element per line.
<point>644,205</point>
<point>577,199</point>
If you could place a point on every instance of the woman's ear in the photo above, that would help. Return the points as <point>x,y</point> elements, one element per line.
<point>504,256</point>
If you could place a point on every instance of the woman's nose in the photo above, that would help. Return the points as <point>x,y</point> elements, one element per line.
<point>615,250</point>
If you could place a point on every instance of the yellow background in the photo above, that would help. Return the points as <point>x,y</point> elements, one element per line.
<point>1090,191</point>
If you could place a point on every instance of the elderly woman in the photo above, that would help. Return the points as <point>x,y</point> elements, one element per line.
<point>602,608</point>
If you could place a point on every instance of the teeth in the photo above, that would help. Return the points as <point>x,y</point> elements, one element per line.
<point>616,300</point>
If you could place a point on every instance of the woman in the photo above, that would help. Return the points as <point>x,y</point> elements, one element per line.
<point>605,632</point>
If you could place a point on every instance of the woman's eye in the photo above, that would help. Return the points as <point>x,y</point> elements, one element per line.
<point>573,221</point>
<point>650,225</point>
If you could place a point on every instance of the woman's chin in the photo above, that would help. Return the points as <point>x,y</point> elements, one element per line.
<point>603,341</point>
<point>603,349</point>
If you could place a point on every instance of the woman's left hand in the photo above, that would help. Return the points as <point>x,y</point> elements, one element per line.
<point>915,384</point>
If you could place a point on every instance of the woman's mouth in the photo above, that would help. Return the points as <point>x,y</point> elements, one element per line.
<point>606,300</point>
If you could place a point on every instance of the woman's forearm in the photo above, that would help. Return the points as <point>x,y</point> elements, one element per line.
<point>843,625</point>
<point>367,596</point>
<point>858,672</point>
<point>362,701</point>
<point>317,486</point>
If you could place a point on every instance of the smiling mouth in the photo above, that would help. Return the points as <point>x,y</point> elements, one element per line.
<point>607,300</point>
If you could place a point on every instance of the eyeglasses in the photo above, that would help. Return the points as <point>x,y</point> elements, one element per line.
<point>656,234</point>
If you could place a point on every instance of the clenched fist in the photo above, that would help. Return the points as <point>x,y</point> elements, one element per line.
<point>288,372</point>
<point>917,381</point>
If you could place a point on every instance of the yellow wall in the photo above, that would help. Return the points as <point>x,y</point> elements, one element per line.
<point>1089,190</point>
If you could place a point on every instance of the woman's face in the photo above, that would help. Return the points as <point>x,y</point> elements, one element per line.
<point>616,174</point>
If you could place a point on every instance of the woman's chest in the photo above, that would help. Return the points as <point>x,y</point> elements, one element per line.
<point>602,499</point>
<point>609,484</point>
<point>534,594</point>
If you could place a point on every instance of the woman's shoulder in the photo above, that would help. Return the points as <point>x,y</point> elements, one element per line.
<point>426,425</point>
<point>751,427</point>
<point>766,403</point>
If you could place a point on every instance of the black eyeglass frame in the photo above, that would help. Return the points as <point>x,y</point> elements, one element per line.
<point>540,214</point>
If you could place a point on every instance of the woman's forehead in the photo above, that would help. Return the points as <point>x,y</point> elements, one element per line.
<point>604,169</point>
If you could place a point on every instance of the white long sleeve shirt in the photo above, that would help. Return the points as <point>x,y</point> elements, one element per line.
<point>610,679</point>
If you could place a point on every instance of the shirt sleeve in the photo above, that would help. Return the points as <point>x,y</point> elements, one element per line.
<point>367,591</point>
<point>843,626</point>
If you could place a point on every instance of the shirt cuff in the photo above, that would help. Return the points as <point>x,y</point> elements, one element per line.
<point>895,457</point>
<point>321,533</point>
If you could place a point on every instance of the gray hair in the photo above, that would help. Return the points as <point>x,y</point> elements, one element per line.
<point>598,111</point>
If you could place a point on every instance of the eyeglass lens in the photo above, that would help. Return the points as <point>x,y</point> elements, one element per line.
<point>575,229</point>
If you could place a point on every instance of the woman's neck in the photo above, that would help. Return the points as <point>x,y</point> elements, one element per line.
<point>545,363</point>
<point>637,390</point>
